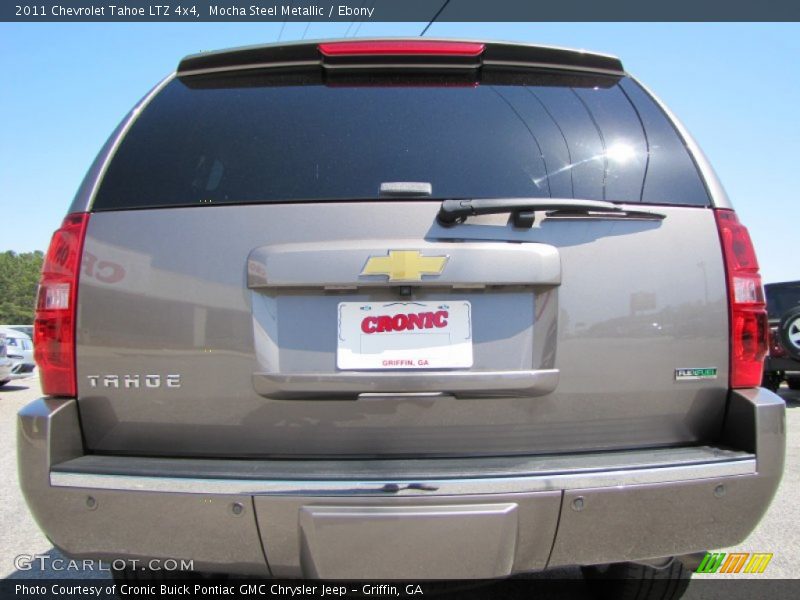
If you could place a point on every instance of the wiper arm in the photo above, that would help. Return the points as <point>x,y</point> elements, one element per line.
<point>523,210</point>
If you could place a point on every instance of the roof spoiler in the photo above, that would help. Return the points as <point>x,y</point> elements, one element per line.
<point>397,54</point>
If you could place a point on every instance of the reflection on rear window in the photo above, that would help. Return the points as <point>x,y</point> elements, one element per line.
<point>250,139</point>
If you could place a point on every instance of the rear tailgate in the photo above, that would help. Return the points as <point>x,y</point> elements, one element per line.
<point>263,300</point>
<point>628,306</point>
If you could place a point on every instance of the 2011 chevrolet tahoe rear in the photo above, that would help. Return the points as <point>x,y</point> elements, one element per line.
<point>401,309</point>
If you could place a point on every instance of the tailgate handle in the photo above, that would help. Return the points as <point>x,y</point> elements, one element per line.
<point>341,264</point>
<point>352,384</point>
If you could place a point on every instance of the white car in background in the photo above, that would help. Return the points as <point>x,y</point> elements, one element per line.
<point>19,349</point>
<point>5,363</point>
<point>26,329</point>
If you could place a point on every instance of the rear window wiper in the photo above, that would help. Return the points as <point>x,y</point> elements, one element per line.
<point>453,212</point>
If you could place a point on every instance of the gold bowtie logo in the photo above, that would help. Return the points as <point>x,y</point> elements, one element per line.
<point>405,265</point>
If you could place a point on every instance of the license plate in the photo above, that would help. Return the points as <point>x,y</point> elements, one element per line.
<point>404,335</point>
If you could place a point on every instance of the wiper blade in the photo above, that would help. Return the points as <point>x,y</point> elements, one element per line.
<point>453,212</point>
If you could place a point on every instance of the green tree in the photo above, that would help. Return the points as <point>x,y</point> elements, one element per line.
<point>19,276</point>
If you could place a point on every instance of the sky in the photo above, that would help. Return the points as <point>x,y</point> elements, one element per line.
<point>65,87</point>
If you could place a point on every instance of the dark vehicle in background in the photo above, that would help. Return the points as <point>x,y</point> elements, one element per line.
<point>402,309</point>
<point>783,362</point>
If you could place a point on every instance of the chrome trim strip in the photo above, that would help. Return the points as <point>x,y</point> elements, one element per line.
<point>449,66</point>
<point>535,382</point>
<point>400,487</point>
<point>552,66</point>
<point>249,66</point>
<point>468,263</point>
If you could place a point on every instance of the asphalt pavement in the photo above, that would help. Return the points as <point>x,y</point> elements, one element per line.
<point>777,533</point>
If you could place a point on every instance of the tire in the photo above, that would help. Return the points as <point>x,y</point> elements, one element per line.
<point>634,581</point>
<point>793,381</point>
<point>771,380</point>
<point>790,332</point>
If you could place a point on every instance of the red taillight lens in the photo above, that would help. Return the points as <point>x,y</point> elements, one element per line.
<point>776,348</point>
<point>401,48</point>
<point>56,305</point>
<point>748,313</point>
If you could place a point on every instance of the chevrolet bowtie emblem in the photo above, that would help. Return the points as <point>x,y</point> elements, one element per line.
<point>405,265</point>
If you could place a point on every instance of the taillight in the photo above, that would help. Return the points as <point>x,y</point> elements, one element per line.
<point>748,314</point>
<point>56,308</point>
<point>776,348</point>
<point>401,48</point>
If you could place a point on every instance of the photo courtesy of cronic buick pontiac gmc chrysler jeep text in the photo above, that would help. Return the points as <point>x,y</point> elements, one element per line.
<point>402,309</point>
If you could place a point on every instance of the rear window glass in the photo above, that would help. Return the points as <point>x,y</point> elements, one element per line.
<point>249,139</point>
<point>781,298</point>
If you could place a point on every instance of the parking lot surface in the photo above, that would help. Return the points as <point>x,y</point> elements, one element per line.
<point>777,533</point>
